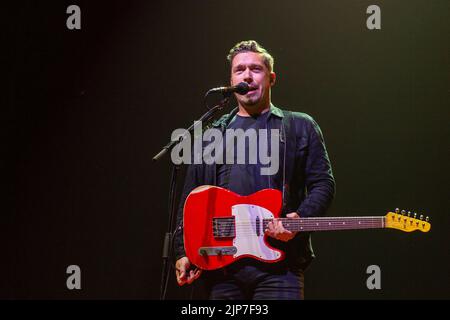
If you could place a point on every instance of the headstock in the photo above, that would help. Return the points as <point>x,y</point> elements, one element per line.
<point>406,221</point>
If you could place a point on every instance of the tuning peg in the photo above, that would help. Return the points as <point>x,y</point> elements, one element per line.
<point>397,210</point>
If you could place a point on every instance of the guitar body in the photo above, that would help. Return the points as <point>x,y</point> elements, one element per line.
<point>221,226</point>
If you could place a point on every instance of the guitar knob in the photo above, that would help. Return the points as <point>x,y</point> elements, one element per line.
<point>421,217</point>
<point>397,210</point>
<point>403,212</point>
<point>427,219</point>
<point>409,213</point>
<point>415,215</point>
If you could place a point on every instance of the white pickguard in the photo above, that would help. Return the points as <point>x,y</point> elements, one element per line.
<point>246,239</point>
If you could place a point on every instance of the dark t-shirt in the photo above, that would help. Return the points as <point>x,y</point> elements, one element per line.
<point>245,179</point>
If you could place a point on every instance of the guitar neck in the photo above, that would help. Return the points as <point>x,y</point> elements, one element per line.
<point>331,223</point>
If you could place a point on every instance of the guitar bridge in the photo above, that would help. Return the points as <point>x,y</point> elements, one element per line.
<point>217,251</point>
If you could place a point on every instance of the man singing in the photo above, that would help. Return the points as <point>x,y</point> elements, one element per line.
<point>304,176</point>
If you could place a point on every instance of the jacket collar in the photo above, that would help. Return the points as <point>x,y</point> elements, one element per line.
<point>276,111</point>
<point>225,119</point>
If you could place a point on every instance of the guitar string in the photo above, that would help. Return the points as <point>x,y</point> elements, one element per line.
<point>296,224</point>
<point>293,222</point>
<point>225,220</point>
<point>312,222</point>
<point>250,231</point>
<point>240,226</point>
<point>307,226</point>
<point>249,227</point>
<point>314,226</point>
<point>243,227</point>
<point>245,234</point>
<point>254,233</point>
<point>329,224</point>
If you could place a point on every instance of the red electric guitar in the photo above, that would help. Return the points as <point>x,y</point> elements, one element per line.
<point>221,226</point>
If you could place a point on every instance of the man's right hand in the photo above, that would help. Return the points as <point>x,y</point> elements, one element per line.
<point>184,272</point>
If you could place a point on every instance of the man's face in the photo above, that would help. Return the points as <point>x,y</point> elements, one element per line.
<point>249,67</point>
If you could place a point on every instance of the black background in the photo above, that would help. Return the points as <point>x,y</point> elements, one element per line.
<point>84,111</point>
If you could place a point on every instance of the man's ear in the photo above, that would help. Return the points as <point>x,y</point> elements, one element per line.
<point>273,78</point>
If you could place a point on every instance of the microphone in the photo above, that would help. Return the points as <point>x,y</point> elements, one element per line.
<point>241,88</point>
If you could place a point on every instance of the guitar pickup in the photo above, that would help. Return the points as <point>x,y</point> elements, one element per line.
<point>217,251</point>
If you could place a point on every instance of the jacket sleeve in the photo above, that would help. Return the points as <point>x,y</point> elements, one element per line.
<point>319,180</point>
<point>192,180</point>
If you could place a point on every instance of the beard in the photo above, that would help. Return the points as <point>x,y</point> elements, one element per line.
<point>250,101</point>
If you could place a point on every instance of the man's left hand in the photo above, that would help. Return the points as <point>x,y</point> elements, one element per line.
<point>276,230</point>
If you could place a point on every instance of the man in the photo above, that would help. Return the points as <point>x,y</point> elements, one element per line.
<point>304,176</point>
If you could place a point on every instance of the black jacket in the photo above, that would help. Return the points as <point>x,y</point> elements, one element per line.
<point>309,182</point>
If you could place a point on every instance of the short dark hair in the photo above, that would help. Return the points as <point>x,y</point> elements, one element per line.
<point>251,46</point>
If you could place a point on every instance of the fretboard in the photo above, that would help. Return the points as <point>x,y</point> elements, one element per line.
<point>329,223</point>
<point>226,227</point>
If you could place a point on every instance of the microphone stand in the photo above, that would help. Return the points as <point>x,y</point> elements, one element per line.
<point>168,239</point>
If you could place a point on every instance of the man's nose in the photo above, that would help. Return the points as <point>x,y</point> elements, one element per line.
<point>248,77</point>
